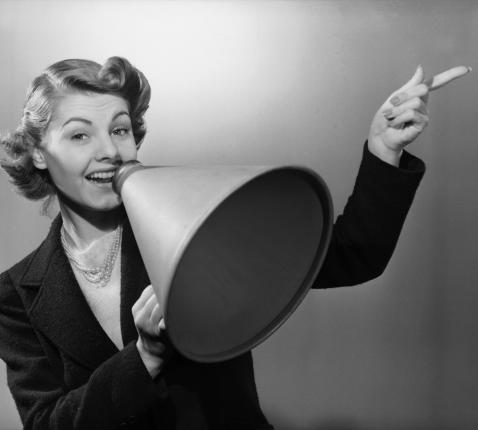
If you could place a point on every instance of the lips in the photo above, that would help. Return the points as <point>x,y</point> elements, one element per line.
<point>102,177</point>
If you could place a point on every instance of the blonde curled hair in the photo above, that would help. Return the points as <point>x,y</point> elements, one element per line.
<point>117,76</point>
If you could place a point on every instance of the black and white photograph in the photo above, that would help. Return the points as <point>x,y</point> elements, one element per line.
<point>238,214</point>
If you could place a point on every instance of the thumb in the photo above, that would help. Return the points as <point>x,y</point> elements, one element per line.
<point>416,79</point>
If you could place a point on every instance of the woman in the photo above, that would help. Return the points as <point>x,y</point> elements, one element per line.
<point>80,329</point>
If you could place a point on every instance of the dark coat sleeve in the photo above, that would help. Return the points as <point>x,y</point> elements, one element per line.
<point>117,390</point>
<point>365,235</point>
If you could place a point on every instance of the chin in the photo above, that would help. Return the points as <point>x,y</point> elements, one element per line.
<point>89,204</point>
<point>107,206</point>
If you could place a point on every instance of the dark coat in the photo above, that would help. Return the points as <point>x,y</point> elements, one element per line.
<point>65,373</point>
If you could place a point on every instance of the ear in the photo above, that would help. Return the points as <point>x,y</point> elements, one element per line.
<point>39,159</point>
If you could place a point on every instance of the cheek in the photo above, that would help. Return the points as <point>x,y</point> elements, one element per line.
<point>129,151</point>
<point>66,170</point>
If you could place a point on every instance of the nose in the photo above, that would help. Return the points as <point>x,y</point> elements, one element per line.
<point>107,149</point>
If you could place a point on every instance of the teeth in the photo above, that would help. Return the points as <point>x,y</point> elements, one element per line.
<point>101,175</point>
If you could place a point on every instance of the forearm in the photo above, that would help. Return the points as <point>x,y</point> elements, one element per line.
<point>118,391</point>
<point>365,235</point>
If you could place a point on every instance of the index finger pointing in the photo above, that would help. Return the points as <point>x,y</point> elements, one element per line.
<point>444,78</point>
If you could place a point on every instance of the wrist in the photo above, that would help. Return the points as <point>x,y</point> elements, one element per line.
<point>386,154</point>
<point>152,362</point>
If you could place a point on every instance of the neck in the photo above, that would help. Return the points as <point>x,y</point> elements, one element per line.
<point>86,225</point>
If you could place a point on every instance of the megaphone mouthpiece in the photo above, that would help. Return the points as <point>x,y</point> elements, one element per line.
<point>126,169</point>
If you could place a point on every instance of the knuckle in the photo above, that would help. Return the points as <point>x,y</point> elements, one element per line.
<point>423,89</point>
<point>146,290</point>
<point>406,114</point>
<point>135,310</point>
<point>416,102</point>
<point>139,318</point>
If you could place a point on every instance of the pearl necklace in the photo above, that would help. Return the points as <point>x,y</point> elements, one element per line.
<point>100,275</point>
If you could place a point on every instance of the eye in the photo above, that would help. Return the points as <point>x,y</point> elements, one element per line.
<point>121,131</point>
<point>79,136</point>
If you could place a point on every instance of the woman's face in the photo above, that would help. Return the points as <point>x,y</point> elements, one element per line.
<point>88,137</point>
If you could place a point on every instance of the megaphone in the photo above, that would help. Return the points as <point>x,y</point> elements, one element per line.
<point>231,251</point>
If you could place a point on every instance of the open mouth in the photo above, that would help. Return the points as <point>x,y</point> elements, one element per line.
<point>101,177</point>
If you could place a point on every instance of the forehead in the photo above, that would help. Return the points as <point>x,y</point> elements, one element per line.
<point>93,107</point>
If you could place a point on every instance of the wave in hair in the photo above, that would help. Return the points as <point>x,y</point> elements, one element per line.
<point>117,76</point>
<point>32,183</point>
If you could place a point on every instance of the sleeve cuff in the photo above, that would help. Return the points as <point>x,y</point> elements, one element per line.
<point>378,173</point>
<point>133,389</point>
<point>408,163</point>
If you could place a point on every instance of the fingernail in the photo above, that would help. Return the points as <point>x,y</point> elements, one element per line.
<point>387,112</point>
<point>470,69</point>
<point>395,100</point>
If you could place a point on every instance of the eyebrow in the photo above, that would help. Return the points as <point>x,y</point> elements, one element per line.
<point>88,122</point>
<point>123,112</point>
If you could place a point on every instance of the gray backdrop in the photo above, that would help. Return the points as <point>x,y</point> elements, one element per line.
<point>298,82</point>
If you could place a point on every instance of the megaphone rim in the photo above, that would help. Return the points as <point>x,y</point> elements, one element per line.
<point>325,198</point>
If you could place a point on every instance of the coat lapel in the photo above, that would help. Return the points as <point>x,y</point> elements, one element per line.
<point>59,309</point>
<point>134,280</point>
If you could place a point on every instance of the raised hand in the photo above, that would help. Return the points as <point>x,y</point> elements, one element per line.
<point>404,115</point>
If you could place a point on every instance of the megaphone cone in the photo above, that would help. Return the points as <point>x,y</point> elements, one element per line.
<point>230,251</point>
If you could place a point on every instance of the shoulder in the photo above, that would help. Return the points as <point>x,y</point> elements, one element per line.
<point>34,263</point>
<point>12,275</point>
<point>13,308</point>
